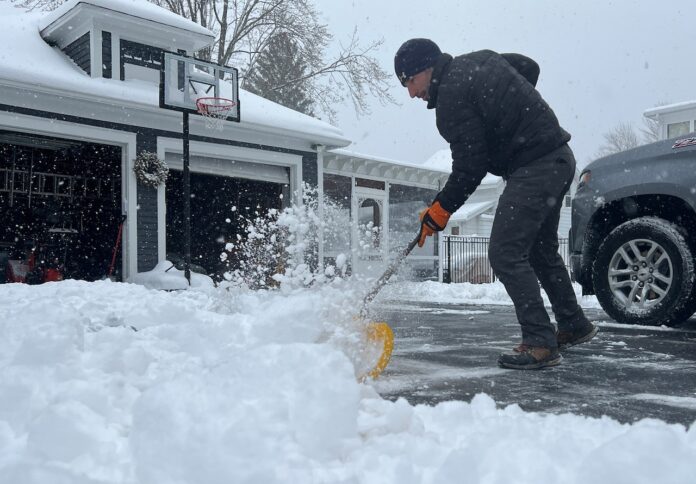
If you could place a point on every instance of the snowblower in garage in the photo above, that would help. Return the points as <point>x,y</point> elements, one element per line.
<point>380,338</point>
<point>41,255</point>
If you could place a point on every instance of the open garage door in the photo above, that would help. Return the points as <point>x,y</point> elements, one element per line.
<point>219,205</point>
<point>61,208</point>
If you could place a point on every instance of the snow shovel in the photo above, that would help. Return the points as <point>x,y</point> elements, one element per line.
<point>379,334</point>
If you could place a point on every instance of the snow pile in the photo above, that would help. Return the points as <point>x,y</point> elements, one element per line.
<point>191,396</point>
<point>166,276</point>
<point>114,383</point>
<point>466,293</point>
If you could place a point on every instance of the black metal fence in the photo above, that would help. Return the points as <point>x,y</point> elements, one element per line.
<point>465,259</point>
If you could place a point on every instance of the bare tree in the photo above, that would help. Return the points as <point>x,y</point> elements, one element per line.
<point>620,138</point>
<point>38,4</point>
<point>199,11</point>
<point>651,130</point>
<point>652,127</point>
<point>244,28</point>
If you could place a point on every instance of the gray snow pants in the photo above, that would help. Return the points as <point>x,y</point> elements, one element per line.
<point>523,249</point>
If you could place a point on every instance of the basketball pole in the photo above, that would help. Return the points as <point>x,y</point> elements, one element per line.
<point>187,201</point>
<point>182,81</point>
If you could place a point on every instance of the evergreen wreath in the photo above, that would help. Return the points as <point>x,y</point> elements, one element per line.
<point>150,170</point>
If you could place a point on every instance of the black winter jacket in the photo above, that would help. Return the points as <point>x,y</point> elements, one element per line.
<point>494,119</point>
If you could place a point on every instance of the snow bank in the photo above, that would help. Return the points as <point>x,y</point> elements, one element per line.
<point>466,293</point>
<point>115,383</point>
<point>167,277</point>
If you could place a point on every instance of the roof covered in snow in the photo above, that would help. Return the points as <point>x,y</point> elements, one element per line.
<point>136,8</point>
<point>470,210</point>
<point>34,65</point>
<point>669,108</point>
<point>346,161</point>
<point>442,160</point>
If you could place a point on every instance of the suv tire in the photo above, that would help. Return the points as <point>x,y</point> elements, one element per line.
<point>644,273</point>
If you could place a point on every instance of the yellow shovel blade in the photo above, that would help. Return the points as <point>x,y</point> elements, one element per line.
<point>380,336</point>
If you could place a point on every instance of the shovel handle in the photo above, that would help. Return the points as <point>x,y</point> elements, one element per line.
<point>393,267</point>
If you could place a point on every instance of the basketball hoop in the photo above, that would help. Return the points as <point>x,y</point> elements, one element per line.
<point>215,110</point>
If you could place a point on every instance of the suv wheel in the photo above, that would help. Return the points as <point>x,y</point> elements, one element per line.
<point>644,273</point>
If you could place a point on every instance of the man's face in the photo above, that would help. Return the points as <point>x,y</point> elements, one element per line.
<point>419,84</point>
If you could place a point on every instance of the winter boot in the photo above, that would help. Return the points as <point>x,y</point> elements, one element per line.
<point>520,348</point>
<point>527,357</point>
<point>566,339</point>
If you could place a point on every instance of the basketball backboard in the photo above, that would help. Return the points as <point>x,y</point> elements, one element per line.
<point>183,80</point>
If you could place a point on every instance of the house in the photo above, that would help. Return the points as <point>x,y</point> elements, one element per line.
<point>475,217</point>
<point>80,101</point>
<point>675,119</point>
<point>382,198</point>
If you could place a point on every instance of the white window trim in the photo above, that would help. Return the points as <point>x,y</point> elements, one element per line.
<point>377,195</point>
<point>320,193</point>
<point>689,128</point>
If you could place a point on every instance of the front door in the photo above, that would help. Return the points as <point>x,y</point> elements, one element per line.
<point>369,231</point>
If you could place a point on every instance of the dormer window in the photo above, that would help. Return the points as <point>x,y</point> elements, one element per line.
<point>140,61</point>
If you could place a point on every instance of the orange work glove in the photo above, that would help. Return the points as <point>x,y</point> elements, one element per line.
<point>433,219</point>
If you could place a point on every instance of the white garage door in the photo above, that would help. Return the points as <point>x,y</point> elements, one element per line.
<point>231,168</point>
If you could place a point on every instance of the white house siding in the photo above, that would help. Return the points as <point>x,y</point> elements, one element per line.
<point>485,223</point>
<point>674,119</point>
<point>564,223</point>
<point>466,222</point>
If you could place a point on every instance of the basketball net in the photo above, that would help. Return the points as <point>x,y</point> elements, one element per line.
<point>214,110</point>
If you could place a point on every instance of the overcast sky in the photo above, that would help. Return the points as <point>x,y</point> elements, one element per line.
<point>602,62</point>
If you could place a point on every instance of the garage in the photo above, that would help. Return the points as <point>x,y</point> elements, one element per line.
<point>61,209</point>
<point>224,194</point>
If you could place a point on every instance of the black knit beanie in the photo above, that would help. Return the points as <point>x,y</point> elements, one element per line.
<point>415,56</point>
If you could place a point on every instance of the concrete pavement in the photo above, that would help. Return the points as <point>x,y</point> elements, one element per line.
<point>449,352</point>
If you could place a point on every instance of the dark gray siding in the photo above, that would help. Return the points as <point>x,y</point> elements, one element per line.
<point>107,63</point>
<point>310,176</point>
<point>147,228</point>
<point>310,170</point>
<point>147,197</point>
<point>79,52</point>
<point>147,212</point>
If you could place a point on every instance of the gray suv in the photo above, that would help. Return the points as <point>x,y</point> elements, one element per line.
<point>633,232</point>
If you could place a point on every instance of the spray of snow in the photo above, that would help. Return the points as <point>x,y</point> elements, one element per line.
<point>280,247</point>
